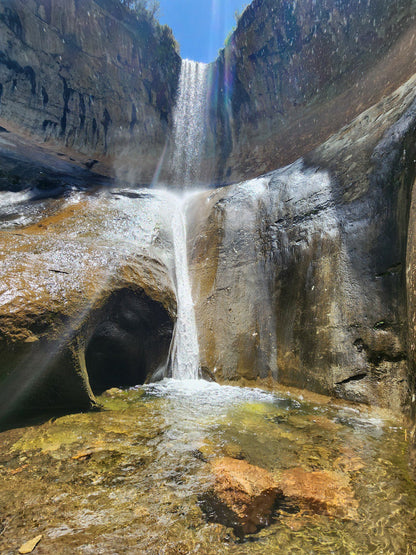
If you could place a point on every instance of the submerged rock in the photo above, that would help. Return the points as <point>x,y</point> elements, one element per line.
<point>243,495</point>
<point>30,545</point>
<point>320,492</point>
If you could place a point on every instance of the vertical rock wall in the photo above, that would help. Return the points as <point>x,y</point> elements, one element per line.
<point>300,274</point>
<point>294,73</point>
<point>89,76</point>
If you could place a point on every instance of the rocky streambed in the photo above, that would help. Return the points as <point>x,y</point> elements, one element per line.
<point>148,475</point>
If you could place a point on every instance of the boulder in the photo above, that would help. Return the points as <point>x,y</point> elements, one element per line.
<point>87,301</point>
<point>243,495</point>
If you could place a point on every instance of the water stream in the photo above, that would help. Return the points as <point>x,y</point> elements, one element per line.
<point>184,355</point>
<point>189,118</point>
<point>130,479</point>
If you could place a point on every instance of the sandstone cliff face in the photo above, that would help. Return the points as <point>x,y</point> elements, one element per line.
<point>294,73</point>
<point>300,274</point>
<point>88,76</point>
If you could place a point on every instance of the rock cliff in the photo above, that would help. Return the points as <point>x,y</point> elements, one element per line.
<point>294,73</point>
<point>300,274</point>
<point>304,274</point>
<point>90,78</point>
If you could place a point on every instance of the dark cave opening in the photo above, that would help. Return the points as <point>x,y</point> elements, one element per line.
<point>130,340</point>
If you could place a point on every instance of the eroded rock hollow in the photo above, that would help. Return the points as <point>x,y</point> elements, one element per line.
<point>88,300</point>
<point>129,342</point>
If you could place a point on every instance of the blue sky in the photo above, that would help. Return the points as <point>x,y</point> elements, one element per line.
<point>200,26</point>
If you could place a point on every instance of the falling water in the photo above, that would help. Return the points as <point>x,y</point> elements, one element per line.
<point>184,356</point>
<point>188,140</point>
<point>189,123</point>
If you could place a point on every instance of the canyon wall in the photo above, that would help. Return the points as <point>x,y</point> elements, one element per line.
<point>294,73</point>
<point>300,275</point>
<point>97,86</point>
<point>89,77</point>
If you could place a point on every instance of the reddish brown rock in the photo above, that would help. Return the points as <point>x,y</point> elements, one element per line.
<point>324,492</point>
<point>243,495</point>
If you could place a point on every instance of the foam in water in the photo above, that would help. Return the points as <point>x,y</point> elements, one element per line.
<point>189,122</point>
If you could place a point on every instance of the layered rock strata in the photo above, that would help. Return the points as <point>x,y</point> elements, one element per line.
<point>294,73</point>
<point>90,77</point>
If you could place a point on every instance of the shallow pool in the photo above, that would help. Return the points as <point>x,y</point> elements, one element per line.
<point>129,479</point>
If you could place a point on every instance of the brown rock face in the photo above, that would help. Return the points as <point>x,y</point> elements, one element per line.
<point>300,274</point>
<point>321,492</point>
<point>294,73</point>
<point>243,495</point>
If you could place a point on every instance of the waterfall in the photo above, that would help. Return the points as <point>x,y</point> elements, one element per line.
<point>188,134</point>
<point>189,126</point>
<point>189,123</point>
<point>184,355</point>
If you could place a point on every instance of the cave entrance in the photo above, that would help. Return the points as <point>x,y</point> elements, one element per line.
<point>130,340</point>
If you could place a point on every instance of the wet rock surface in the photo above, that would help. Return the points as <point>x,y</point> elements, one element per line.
<point>300,274</point>
<point>127,480</point>
<point>321,492</point>
<point>87,300</point>
<point>243,495</point>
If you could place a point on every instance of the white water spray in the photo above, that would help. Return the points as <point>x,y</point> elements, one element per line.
<point>184,355</point>
<point>189,123</point>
